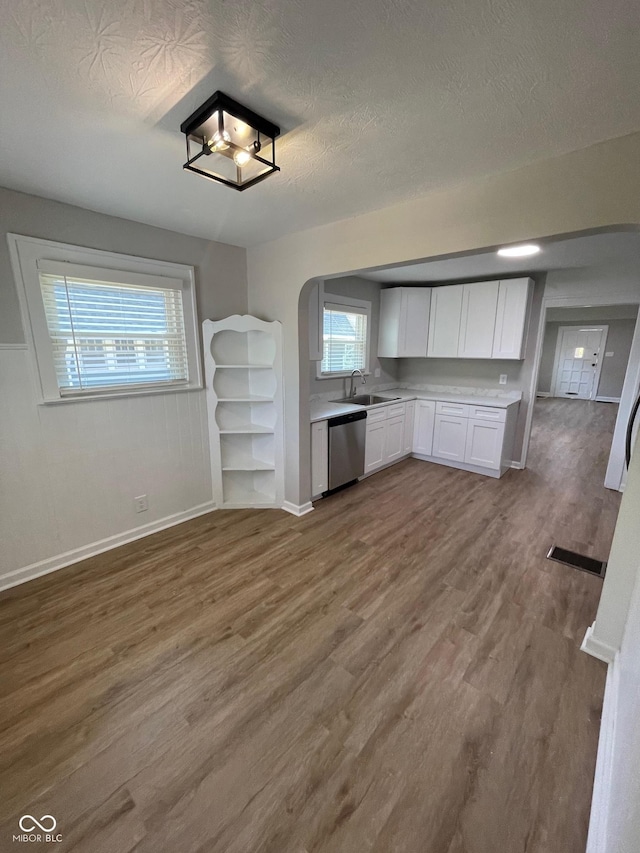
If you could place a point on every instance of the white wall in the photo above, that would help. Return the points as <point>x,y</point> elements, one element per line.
<point>615,820</point>
<point>589,189</point>
<point>69,472</point>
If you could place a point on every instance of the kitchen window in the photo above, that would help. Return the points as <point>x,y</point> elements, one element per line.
<point>109,325</point>
<point>346,327</point>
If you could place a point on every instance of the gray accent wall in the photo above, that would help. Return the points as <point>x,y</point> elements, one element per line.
<point>69,472</point>
<point>221,270</point>
<point>369,291</point>
<point>614,367</point>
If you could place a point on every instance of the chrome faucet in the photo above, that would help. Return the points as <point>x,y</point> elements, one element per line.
<point>352,390</point>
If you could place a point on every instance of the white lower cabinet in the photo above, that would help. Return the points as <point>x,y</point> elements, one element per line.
<point>386,437</point>
<point>394,439</point>
<point>319,458</point>
<point>476,438</point>
<point>423,427</point>
<point>410,413</point>
<point>484,443</point>
<point>374,448</point>
<point>450,437</point>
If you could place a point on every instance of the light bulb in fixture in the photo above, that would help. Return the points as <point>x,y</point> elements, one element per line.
<point>219,141</point>
<point>522,251</point>
<point>241,158</point>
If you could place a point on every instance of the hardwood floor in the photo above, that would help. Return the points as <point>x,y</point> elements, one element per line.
<point>397,672</point>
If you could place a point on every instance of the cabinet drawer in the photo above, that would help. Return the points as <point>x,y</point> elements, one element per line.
<point>376,415</point>
<point>395,410</point>
<point>452,409</point>
<point>485,413</point>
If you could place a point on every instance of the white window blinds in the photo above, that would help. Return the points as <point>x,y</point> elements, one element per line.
<point>344,338</point>
<point>108,334</point>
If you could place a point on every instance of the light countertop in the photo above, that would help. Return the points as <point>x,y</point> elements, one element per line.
<point>322,410</point>
<point>498,401</point>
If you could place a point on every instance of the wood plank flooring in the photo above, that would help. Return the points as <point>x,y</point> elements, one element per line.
<point>397,672</point>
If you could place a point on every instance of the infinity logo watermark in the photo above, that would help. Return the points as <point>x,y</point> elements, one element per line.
<point>46,826</point>
<point>28,823</point>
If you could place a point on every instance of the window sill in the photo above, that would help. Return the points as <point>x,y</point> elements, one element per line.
<point>117,394</point>
<point>341,375</point>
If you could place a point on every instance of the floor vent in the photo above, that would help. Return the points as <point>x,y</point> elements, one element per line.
<point>577,561</point>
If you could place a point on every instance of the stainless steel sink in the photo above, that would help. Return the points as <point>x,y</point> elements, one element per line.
<point>366,399</point>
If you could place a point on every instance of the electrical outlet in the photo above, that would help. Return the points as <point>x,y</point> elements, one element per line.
<point>608,354</point>
<point>141,503</point>
<point>503,378</point>
<point>377,373</point>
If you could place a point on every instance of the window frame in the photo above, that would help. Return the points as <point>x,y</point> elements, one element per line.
<point>362,306</point>
<point>27,252</point>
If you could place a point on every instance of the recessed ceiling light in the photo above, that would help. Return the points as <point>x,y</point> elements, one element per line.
<point>519,251</point>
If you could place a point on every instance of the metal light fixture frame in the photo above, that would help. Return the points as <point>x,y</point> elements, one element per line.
<point>220,103</point>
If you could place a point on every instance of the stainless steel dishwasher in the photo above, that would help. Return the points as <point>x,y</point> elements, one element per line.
<point>347,436</point>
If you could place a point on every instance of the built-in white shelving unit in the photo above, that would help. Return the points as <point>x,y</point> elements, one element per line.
<point>243,370</point>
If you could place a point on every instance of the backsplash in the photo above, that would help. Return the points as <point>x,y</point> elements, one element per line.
<point>461,390</point>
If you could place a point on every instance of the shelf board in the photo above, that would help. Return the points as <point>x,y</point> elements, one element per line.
<point>246,399</point>
<point>250,429</point>
<point>245,366</point>
<point>253,465</point>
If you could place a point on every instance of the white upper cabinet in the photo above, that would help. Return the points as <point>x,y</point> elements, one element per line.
<point>444,322</point>
<point>481,319</point>
<point>514,296</point>
<point>478,319</point>
<point>404,322</point>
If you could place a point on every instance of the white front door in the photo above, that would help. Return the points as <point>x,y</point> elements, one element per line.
<point>578,357</point>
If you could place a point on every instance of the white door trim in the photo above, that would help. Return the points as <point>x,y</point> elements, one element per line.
<point>615,468</point>
<point>556,359</point>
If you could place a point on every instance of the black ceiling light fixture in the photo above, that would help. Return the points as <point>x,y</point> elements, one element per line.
<point>229,143</point>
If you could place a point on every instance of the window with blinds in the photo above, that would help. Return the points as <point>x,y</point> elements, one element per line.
<point>345,338</point>
<point>110,335</point>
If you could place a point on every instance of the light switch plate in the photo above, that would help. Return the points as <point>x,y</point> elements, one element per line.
<point>608,354</point>
<point>503,378</point>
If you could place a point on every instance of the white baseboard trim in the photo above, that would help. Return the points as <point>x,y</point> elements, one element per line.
<point>596,648</point>
<point>52,564</point>
<point>543,393</point>
<point>297,510</point>
<point>517,465</point>
<point>597,841</point>
<point>607,399</point>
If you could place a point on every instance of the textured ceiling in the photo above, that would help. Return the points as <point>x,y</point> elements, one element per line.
<point>379,100</point>
<point>619,250</point>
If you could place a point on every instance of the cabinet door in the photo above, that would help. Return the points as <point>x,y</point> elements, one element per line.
<point>478,321</point>
<point>450,437</point>
<point>484,443</point>
<point>410,413</point>
<point>511,316</point>
<point>375,446</point>
<point>319,458</point>
<point>390,318</point>
<point>394,439</point>
<point>423,427</point>
<point>414,321</point>
<point>316,309</point>
<point>444,322</point>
